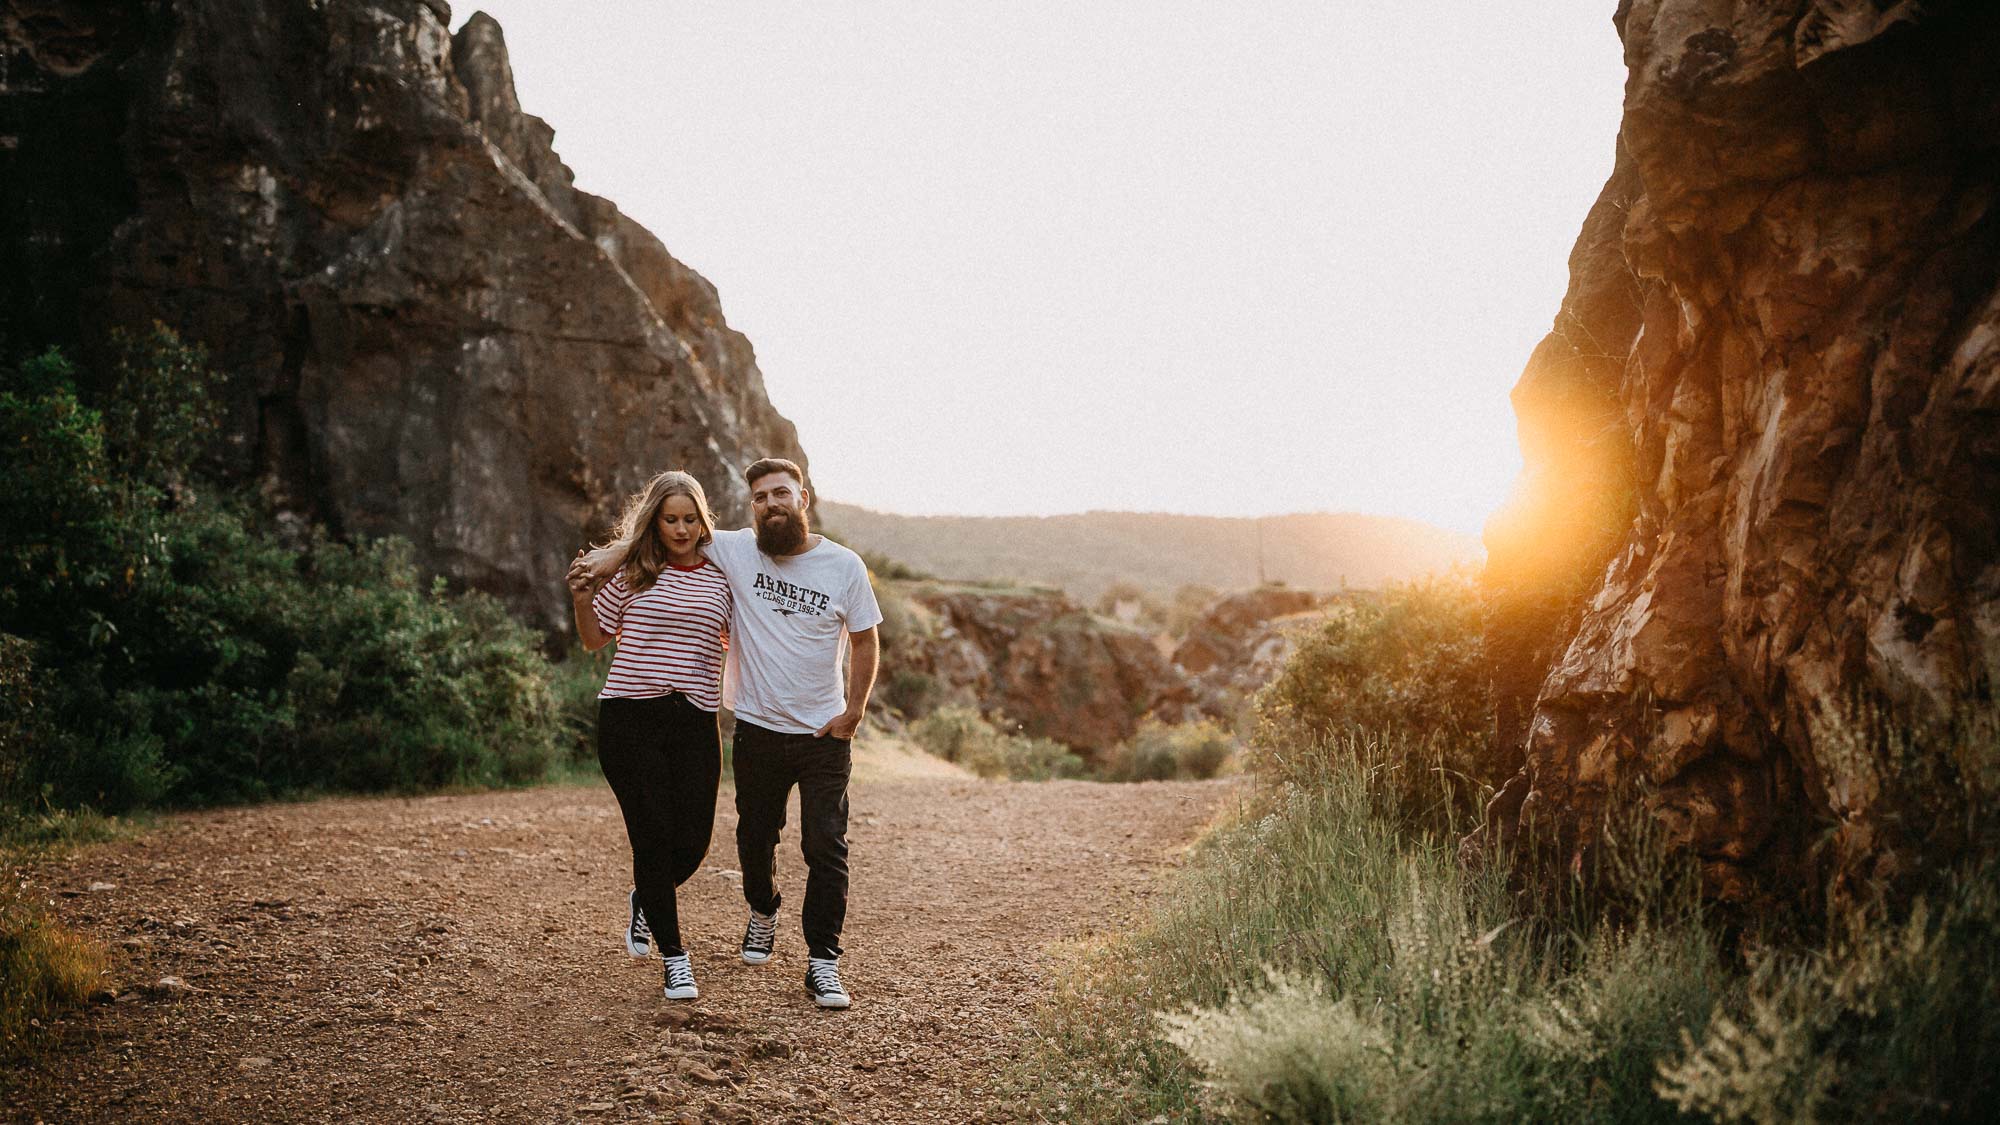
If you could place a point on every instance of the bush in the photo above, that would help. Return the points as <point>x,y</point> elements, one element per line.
<point>952,732</point>
<point>578,677</point>
<point>1891,1018</point>
<point>20,717</point>
<point>1404,672</point>
<point>963,735</point>
<point>1325,957</point>
<point>1317,962</point>
<point>1160,751</point>
<point>910,693</point>
<point>183,652</point>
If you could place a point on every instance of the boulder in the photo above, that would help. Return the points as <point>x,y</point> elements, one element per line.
<point>430,331</point>
<point>1761,448</point>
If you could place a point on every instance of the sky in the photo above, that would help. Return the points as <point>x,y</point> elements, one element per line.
<point>1015,257</point>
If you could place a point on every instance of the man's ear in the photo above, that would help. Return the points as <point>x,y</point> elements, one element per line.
<point>805,498</point>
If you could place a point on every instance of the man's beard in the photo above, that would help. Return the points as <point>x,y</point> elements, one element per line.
<point>781,532</point>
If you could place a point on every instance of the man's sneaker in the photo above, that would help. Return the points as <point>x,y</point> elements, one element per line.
<point>823,981</point>
<point>758,936</point>
<point>680,978</point>
<point>638,935</point>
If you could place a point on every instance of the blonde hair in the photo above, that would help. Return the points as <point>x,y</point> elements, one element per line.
<point>639,526</point>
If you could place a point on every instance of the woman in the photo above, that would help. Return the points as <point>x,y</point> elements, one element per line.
<point>656,727</point>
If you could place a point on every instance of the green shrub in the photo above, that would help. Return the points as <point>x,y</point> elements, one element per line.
<point>910,693</point>
<point>1160,751</point>
<point>951,732</point>
<point>963,735</point>
<point>1020,757</point>
<point>578,677</point>
<point>1402,671</point>
<point>21,720</point>
<point>188,653</point>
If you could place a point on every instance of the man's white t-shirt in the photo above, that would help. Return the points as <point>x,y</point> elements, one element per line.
<point>788,630</point>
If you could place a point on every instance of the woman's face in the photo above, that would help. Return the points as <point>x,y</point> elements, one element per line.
<point>679,524</point>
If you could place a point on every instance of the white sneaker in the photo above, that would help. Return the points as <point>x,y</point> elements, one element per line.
<point>823,982</point>
<point>680,978</point>
<point>638,935</point>
<point>758,937</point>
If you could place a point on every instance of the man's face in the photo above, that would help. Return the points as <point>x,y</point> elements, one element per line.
<point>778,510</point>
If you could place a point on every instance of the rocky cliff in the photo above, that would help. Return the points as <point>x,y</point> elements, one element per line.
<point>431,332</point>
<point>1241,642</point>
<point>1031,655</point>
<point>1762,495</point>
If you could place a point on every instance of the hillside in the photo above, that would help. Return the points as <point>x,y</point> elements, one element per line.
<point>1086,552</point>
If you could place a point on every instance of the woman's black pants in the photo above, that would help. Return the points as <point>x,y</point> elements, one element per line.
<point>663,758</point>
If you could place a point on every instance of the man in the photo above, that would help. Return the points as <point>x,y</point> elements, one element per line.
<point>800,602</point>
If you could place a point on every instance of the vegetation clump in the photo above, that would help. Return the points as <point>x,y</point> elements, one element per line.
<point>963,735</point>
<point>165,642</point>
<point>1401,677</point>
<point>1161,751</point>
<point>1324,955</point>
<point>45,967</point>
<point>180,648</point>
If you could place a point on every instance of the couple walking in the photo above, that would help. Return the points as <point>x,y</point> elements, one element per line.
<point>756,620</point>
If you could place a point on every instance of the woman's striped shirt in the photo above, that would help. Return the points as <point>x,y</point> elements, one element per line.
<point>669,635</point>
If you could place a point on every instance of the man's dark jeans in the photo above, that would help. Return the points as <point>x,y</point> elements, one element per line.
<point>767,765</point>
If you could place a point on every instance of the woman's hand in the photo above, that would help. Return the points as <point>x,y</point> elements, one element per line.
<point>579,580</point>
<point>603,562</point>
<point>583,606</point>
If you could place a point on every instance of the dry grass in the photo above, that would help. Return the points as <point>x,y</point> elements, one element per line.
<point>45,967</point>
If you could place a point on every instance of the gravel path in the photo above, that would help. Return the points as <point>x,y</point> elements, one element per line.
<point>454,958</point>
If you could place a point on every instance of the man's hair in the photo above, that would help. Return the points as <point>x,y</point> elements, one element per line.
<point>760,469</point>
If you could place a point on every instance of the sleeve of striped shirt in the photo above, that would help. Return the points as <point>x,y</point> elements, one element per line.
<point>609,603</point>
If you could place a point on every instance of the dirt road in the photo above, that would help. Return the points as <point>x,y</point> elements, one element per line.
<point>454,958</point>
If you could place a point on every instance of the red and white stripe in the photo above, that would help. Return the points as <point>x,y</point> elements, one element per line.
<point>669,635</point>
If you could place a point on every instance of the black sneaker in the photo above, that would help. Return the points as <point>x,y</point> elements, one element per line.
<point>680,977</point>
<point>638,935</point>
<point>823,982</point>
<point>758,936</point>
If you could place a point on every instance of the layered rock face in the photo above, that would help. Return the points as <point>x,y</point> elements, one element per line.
<point>1763,442</point>
<point>1034,656</point>
<point>431,332</point>
<point>1241,642</point>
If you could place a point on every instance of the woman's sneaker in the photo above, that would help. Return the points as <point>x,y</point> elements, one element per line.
<point>638,935</point>
<point>823,982</point>
<point>758,937</point>
<point>680,978</point>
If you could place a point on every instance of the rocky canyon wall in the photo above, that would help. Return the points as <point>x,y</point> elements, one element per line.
<point>1762,493</point>
<point>431,332</point>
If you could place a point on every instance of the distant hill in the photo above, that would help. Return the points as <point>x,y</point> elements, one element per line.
<point>1085,553</point>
